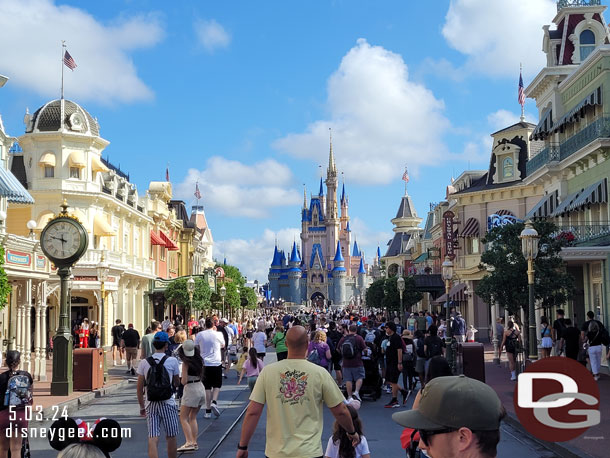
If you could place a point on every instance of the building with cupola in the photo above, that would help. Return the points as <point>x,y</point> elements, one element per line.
<point>328,267</point>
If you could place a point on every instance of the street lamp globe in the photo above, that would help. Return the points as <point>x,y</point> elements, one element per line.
<point>102,269</point>
<point>223,291</point>
<point>447,269</point>
<point>400,284</point>
<point>529,241</point>
<point>190,285</point>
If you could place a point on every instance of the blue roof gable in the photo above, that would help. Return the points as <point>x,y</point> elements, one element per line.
<point>315,203</point>
<point>316,249</point>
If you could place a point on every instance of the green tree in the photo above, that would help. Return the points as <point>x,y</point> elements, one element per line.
<point>375,293</point>
<point>5,287</point>
<point>234,274</point>
<point>177,293</point>
<point>248,298</point>
<point>410,296</point>
<point>506,284</point>
<point>232,298</point>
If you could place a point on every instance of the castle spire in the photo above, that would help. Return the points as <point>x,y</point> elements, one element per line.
<point>321,188</point>
<point>294,256</point>
<point>338,254</point>
<point>304,196</point>
<point>331,157</point>
<point>361,269</point>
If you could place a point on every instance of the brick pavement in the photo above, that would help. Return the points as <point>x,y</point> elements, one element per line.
<point>594,443</point>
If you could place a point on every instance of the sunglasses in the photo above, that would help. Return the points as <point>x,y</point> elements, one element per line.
<point>426,435</point>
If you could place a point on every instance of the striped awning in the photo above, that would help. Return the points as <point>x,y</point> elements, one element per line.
<point>155,239</point>
<point>169,244</point>
<point>597,193</point>
<point>12,189</point>
<point>457,293</point>
<point>594,98</point>
<point>566,203</point>
<point>471,228</point>
<point>544,127</point>
<point>545,207</point>
<point>504,213</point>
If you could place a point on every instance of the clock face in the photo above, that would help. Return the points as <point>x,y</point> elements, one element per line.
<point>61,240</point>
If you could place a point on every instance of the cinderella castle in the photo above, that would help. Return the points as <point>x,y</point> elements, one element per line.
<point>324,270</point>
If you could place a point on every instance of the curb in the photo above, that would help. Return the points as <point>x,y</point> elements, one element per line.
<point>563,451</point>
<point>75,404</point>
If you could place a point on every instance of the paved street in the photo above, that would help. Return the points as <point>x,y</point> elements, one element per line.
<point>381,432</point>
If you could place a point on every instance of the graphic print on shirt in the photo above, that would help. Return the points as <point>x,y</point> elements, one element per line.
<point>292,387</point>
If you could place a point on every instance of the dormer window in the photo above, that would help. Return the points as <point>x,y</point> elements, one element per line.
<point>587,43</point>
<point>508,168</point>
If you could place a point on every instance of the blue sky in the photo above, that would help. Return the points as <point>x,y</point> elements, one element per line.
<point>240,96</point>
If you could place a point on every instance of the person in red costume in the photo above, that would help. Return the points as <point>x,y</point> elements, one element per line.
<point>83,334</point>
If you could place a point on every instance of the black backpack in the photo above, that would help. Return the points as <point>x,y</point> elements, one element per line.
<point>420,348</point>
<point>348,350</point>
<point>433,348</point>
<point>158,382</point>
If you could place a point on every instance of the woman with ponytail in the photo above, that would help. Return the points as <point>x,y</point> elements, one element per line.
<point>252,367</point>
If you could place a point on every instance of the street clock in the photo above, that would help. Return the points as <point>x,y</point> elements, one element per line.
<point>64,239</point>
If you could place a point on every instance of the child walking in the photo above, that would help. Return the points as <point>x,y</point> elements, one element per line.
<point>340,445</point>
<point>251,368</point>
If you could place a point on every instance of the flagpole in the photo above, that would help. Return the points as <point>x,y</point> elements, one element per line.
<point>522,105</point>
<point>63,45</point>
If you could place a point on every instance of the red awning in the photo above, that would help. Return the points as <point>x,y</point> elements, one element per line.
<point>168,242</point>
<point>155,239</point>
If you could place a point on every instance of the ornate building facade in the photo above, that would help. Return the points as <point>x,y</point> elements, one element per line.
<point>326,268</point>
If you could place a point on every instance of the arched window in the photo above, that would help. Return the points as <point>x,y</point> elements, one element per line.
<point>508,169</point>
<point>587,43</point>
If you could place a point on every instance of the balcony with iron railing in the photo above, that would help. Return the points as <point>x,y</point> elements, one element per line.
<point>599,128</point>
<point>592,233</point>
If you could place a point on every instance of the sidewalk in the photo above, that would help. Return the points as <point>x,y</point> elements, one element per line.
<point>42,390</point>
<point>594,443</point>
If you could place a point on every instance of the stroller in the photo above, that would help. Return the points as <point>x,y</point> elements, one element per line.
<point>371,385</point>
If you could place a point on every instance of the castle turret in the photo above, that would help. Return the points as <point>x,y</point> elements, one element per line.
<point>331,185</point>
<point>294,275</point>
<point>361,277</point>
<point>321,194</point>
<point>339,277</point>
<point>344,204</point>
<point>274,273</point>
<point>355,251</point>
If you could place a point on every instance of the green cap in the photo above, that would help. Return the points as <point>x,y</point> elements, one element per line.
<point>454,402</point>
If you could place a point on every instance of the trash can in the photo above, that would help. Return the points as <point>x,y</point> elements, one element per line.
<point>471,360</point>
<point>88,371</point>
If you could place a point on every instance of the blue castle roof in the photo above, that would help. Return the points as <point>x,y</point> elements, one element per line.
<point>343,193</point>
<point>378,252</point>
<point>276,257</point>
<point>294,256</point>
<point>321,188</point>
<point>338,254</point>
<point>317,248</point>
<point>355,251</point>
<point>347,228</point>
<point>361,268</point>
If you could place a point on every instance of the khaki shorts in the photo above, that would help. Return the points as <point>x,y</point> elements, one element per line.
<point>131,353</point>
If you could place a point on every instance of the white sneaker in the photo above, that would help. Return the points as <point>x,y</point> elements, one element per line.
<point>215,410</point>
<point>122,361</point>
<point>207,415</point>
<point>114,363</point>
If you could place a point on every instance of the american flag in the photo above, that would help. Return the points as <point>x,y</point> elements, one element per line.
<point>68,61</point>
<point>197,193</point>
<point>521,91</point>
<point>405,176</point>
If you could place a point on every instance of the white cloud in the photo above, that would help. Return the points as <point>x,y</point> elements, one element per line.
<point>380,119</point>
<point>237,189</point>
<point>504,118</point>
<point>253,256</point>
<point>369,239</point>
<point>32,30</point>
<point>497,35</point>
<point>212,35</point>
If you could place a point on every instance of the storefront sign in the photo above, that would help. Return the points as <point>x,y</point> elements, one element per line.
<point>448,235</point>
<point>496,220</point>
<point>85,278</point>
<point>41,262</point>
<point>18,258</point>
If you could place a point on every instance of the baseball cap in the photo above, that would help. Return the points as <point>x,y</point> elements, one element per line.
<point>454,402</point>
<point>188,347</point>
<point>130,325</point>
<point>224,320</point>
<point>161,337</point>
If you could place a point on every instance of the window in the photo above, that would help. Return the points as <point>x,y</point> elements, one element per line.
<point>49,171</point>
<point>74,172</point>
<point>126,239</point>
<point>587,44</point>
<point>508,169</point>
<point>162,253</point>
<point>474,245</point>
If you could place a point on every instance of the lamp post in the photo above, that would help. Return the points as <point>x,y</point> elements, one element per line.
<point>190,287</point>
<point>223,293</point>
<point>239,296</point>
<point>529,245</point>
<point>447,274</point>
<point>496,341</point>
<point>102,275</point>
<point>400,284</point>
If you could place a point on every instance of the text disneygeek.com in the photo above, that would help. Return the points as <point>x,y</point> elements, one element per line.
<point>63,434</point>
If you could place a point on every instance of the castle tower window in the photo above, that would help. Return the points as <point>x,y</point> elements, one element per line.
<point>508,168</point>
<point>587,43</point>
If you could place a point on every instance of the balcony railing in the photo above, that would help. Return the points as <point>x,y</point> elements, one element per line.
<point>584,233</point>
<point>597,129</point>
<point>567,3</point>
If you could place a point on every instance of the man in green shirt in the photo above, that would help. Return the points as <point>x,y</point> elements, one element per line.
<point>422,324</point>
<point>147,340</point>
<point>294,391</point>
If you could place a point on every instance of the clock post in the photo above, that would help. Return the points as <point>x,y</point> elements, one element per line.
<point>64,240</point>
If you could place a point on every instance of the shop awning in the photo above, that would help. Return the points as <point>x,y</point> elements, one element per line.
<point>566,203</point>
<point>12,189</point>
<point>594,98</point>
<point>421,258</point>
<point>457,293</point>
<point>471,228</point>
<point>101,228</point>
<point>169,244</point>
<point>77,159</point>
<point>43,219</point>
<point>97,165</point>
<point>597,193</point>
<point>543,129</point>
<point>156,239</point>
<point>47,159</point>
<point>544,208</point>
